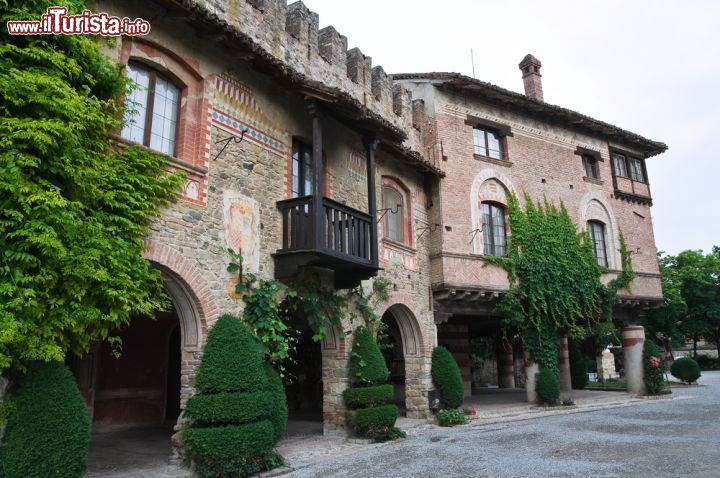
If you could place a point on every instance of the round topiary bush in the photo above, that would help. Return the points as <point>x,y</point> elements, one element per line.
<point>279,415</point>
<point>48,429</point>
<point>446,376</point>
<point>367,364</point>
<point>547,386</point>
<point>578,367</point>
<point>685,369</point>
<point>370,413</point>
<point>652,368</point>
<point>231,430</point>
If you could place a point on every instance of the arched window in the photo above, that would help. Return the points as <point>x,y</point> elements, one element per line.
<point>596,229</point>
<point>493,222</point>
<point>152,109</point>
<point>394,205</point>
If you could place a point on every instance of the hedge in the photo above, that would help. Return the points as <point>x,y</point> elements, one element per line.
<point>229,407</point>
<point>374,422</point>
<point>547,386</point>
<point>446,376</point>
<point>685,369</point>
<point>578,367</point>
<point>368,396</point>
<point>224,451</point>
<point>367,364</point>
<point>230,431</point>
<point>279,416</point>
<point>48,430</point>
<point>231,361</point>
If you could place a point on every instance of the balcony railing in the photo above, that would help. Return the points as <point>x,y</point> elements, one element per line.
<point>345,233</point>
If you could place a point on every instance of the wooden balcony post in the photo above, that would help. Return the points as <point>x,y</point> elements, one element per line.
<point>318,187</point>
<point>371,144</point>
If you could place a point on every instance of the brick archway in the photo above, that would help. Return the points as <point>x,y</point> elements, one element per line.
<point>403,311</point>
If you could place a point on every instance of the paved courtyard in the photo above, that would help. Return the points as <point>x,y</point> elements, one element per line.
<point>663,438</point>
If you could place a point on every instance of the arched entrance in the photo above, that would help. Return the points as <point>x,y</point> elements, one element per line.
<point>303,382</point>
<point>391,345</point>
<point>135,394</point>
<point>406,359</point>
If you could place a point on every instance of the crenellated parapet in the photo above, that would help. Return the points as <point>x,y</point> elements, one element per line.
<point>291,36</point>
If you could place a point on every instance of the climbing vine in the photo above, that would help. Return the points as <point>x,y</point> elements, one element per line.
<point>554,279</point>
<point>271,304</point>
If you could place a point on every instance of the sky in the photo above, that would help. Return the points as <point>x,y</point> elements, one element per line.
<point>649,66</point>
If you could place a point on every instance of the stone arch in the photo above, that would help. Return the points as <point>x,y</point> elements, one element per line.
<point>479,192</point>
<point>400,306</point>
<point>594,207</point>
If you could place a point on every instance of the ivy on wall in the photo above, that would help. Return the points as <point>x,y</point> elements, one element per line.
<point>555,285</point>
<point>270,305</point>
<point>74,209</point>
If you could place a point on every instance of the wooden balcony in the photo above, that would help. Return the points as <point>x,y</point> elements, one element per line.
<point>339,238</point>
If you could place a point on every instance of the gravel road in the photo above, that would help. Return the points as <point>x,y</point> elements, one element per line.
<point>663,438</point>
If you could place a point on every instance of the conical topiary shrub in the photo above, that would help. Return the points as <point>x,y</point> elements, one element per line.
<point>447,378</point>
<point>231,431</point>
<point>371,413</point>
<point>280,409</point>
<point>48,429</point>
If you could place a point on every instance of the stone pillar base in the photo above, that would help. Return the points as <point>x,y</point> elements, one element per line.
<point>564,365</point>
<point>506,367</point>
<point>531,369</point>
<point>633,340</point>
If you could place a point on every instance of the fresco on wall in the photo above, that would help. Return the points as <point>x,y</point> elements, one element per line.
<point>234,106</point>
<point>357,167</point>
<point>242,227</point>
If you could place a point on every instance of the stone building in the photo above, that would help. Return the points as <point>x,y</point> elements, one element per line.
<point>495,141</point>
<point>319,166</point>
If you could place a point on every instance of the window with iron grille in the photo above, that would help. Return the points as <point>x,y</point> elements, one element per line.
<point>487,143</point>
<point>493,227</point>
<point>596,229</point>
<point>152,109</point>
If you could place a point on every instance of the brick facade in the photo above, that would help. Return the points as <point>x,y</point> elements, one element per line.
<point>246,69</point>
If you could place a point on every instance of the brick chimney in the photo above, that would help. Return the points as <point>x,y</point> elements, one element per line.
<point>530,67</point>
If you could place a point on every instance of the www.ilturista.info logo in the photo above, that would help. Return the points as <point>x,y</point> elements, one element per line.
<point>57,22</point>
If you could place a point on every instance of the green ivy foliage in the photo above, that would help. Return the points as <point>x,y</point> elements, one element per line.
<point>48,428</point>
<point>74,209</point>
<point>270,304</point>
<point>231,430</point>
<point>446,376</point>
<point>554,277</point>
<point>367,364</point>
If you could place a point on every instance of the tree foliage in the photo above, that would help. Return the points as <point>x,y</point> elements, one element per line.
<point>691,293</point>
<point>554,279</point>
<point>73,208</point>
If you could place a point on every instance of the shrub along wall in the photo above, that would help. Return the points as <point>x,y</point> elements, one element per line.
<point>370,413</point>
<point>447,378</point>
<point>233,421</point>
<point>48,429</point>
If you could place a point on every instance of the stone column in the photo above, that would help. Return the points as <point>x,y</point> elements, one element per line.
<point>633,339</point>
<point>531,369</point>
<point>506,366</point>
<point>564,364</point>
